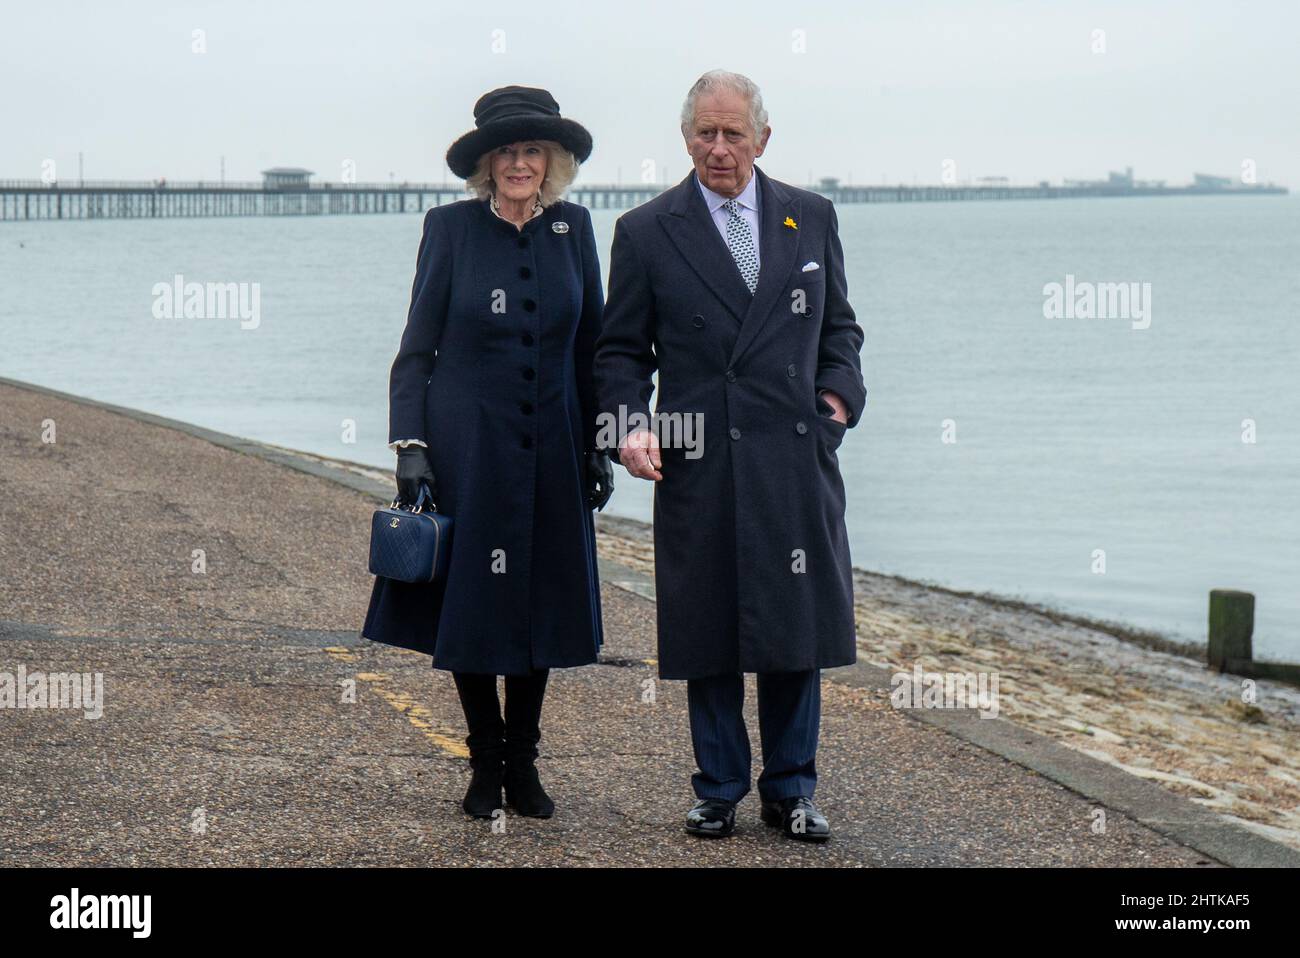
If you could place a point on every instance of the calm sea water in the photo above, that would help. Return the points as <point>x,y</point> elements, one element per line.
<point>1072,435</point>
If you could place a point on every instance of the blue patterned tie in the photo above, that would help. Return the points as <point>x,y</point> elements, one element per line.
<point>741,243</point>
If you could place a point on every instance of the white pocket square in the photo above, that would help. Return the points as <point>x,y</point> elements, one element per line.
<point>809,266</point>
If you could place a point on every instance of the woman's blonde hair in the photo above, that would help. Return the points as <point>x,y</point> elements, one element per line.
<point>561,171</point>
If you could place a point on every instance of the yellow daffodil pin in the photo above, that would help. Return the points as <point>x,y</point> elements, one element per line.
<point>791,223</point>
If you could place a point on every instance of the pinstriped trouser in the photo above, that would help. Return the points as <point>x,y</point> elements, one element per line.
<point>789,718</point>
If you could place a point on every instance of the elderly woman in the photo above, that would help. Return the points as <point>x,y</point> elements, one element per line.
<point>492,407</point>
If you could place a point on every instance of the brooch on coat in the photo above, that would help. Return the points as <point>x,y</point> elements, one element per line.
<point>790,223</point>
<point>560,226</point>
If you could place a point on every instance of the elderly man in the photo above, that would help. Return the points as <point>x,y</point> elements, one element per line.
<point>731,287</point>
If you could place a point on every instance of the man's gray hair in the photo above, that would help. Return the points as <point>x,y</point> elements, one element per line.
<point>725,80</point>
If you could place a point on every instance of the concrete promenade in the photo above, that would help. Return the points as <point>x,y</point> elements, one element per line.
<point>227,736</point>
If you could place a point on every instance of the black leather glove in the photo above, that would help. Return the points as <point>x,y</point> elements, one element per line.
<point>600,480</point>
<point>413,469</point>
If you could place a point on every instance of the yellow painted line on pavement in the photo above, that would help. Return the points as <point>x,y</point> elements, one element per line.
<point>415,713</point>
<point>421,718</point>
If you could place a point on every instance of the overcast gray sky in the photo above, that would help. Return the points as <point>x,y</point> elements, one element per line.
<point>881,90</point>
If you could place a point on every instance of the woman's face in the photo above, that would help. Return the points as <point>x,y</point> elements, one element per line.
<point>518,170</point>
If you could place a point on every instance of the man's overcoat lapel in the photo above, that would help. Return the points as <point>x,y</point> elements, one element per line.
<point>691,229</point>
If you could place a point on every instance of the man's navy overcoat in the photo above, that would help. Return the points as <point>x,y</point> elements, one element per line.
<point>752,567</point>
<point>494,373</point>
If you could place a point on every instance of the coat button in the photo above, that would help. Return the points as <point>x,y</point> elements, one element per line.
<point>800,428</point>
<point>807,311</point>
<point>526,408</point>
<point>697,321</point>
<point>791,371</point>
<point>731,375</point>
<point>529,305</point>
<point>529,373</point>
<point>527,340</point>
<point>523,242</point>
<point>735,433</point>
<point>525,272</point>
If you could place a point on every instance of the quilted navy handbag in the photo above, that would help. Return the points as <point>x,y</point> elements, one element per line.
<point>410,544</point>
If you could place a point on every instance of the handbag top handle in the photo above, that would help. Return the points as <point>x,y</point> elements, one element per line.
<point>424,498</point>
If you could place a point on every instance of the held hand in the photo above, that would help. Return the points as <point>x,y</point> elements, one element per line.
<point>841,414</point>
<point>412,469</point>
<point>600,480</point>
<point>639,454</point>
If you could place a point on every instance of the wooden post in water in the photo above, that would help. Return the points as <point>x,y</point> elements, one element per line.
<point>1232,623</point>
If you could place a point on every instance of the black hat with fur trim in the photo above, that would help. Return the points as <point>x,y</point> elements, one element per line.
<point>510,114</point>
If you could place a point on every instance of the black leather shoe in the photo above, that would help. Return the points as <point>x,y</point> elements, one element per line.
<point>798,818</point>
<point>712,818</point>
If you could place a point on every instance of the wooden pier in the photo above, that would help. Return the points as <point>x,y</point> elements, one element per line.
<point>35,200</point>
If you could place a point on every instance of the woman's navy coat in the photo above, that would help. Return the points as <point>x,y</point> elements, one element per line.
<point>494,373</point>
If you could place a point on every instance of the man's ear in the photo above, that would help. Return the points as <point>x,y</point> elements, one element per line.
<point>762,141</point>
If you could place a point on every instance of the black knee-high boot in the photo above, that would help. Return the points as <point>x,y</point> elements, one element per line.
<point>524,792</point>
<point>486,741</point>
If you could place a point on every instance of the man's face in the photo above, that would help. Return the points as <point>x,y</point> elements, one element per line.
<point>722,144</point>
